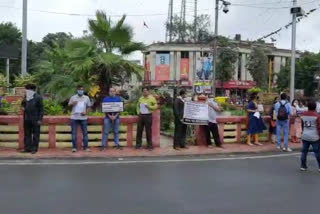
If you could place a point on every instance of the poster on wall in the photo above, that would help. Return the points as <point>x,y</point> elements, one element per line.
<point>203,87</point>
<point>195,113</point>
<point>163,67</point>
<point>147,71</point>
<point>204,68</point>
<point>184,69</point>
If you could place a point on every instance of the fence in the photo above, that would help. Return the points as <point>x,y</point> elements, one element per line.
<point>56,131</point>
<point>232,129</point>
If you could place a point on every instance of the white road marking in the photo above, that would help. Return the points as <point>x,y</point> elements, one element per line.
<point>75,162</point>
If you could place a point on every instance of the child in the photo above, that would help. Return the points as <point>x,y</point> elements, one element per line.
<point>310,134</point>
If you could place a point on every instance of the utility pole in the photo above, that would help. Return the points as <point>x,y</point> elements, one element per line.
<point>8,71</point>
<point>293,51</point>
<point>195,20</point>
<point>24,38</point>
<point>215,48</point>
<point>183,20</point>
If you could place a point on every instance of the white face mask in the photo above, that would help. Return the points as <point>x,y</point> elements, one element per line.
<point>30,94</point>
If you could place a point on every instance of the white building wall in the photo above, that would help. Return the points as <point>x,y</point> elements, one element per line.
<point>153,55</point>
<point>178,64</point>
<point>277,64</point>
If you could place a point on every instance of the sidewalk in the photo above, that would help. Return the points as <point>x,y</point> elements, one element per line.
<point>6,153</point>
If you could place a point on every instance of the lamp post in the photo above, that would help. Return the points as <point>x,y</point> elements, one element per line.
<point>226,5</point>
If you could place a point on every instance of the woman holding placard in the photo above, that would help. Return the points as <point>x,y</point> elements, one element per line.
<point>256,125</point>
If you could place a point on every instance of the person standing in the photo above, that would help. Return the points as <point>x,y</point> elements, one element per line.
<point>284,111</point>
<point>212,126</point>
<point>295,122</point>
<point>33,114</point>
<point>145,106</point>
<point>112,120</point>
<point>80,105</point>
<point>256,125</point>
<point>310,135</point>
<point>180,129</point>
<point>273,122</point>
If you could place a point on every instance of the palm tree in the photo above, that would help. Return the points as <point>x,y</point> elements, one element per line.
<point>113,36</point>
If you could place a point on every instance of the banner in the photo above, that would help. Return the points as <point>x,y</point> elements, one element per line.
<point>184,69</point>
<point>111,107</point>
<point>203,87</point>
<point>204,68</point>
<point>163,67</point>
<point>195,113</point>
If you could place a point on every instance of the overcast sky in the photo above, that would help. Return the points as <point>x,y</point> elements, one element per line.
<point>250,18</point>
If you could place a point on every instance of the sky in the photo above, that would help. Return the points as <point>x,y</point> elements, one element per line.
<point>250,18</point>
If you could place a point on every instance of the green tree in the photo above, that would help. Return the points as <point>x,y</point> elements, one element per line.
<point>258,66</point>
<point>91,61</point>
<point>283,78</point>
<point>53,39</point>
<point>227,56</point>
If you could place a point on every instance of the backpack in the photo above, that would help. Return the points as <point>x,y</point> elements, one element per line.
<point>283,113</point>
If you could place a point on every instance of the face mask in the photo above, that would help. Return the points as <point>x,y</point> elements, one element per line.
<point>29,94</point>
<point>80,92</point>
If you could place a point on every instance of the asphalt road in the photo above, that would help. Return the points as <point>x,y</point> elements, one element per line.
<point>241,186</point>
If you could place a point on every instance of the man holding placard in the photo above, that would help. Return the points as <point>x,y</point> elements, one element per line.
<point>146,105</point>
<point>80,104</point>
<point>111,106</point>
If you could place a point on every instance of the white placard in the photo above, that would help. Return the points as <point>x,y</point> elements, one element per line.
<point>195,113</point>
<point>80,107</point>
<point>144,109</point>
<point>111,107</point>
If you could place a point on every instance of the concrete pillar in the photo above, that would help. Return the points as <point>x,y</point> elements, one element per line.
<point>178,64</point>
<point>156,128</point>
<point>277,64</point>
<point>172,65</point>
<point>243,67</point>
<point>192,59</point>
<point>283,61</point>
<point>153,59</point>
<point>236,64</point>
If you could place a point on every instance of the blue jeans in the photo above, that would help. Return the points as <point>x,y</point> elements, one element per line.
<point>74,127</point>
<point>283,125</point>
<point>107,125</point>
<point>305,150</point>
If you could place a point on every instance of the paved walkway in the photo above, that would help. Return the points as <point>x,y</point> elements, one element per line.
<point>131,152</point>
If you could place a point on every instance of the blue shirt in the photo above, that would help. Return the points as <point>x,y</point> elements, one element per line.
<point>288,107</point>
<point>111,99</point>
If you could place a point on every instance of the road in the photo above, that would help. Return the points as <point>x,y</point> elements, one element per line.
<point>258,185</point>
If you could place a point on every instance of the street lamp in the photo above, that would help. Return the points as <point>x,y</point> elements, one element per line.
<point>226,5</point>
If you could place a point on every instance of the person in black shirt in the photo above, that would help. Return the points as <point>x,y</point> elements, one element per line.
<point>33,114</point>
<point>180,129</point>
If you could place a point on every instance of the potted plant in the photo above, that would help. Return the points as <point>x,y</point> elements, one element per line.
<point>20,82</point>
<point>3,84</point>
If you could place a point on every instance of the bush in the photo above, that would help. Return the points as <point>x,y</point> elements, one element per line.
<point>131,108</point>
<point>3,81</point>
<point>22,80</point>
<point>52,108</point>
<point>254,90</point>
<point>167,118</point>
<point>7,107</point>
<point>228,107</point>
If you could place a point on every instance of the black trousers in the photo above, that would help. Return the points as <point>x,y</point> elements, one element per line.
<point>180,132</point>
<point>145,121</point>
<point>213,128</point>
<point>31,135</point>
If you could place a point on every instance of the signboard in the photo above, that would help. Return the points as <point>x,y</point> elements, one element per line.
<point>184,69</point>
<point>111,107</point>
<point>163,67</point>
<point>204,68</point>
<point>235,84</point>
<point>195,113</point>
<point>203,87</point>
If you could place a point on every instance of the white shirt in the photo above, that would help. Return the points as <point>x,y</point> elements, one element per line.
<point>212,112</point>
<point>82,105</point>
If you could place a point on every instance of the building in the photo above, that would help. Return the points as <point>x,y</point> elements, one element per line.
<point>171,63</point>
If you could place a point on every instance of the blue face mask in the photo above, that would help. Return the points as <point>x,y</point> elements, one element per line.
<point>80,92</point>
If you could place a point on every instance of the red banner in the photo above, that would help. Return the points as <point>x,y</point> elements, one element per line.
<point>184,69</point>
<point>163,67</point>
<point>237,84</point>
